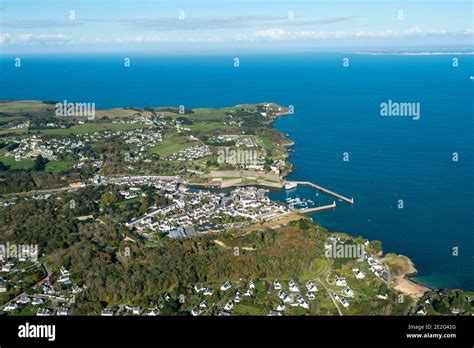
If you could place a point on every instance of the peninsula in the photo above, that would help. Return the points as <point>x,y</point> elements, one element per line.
<point>165,211</point>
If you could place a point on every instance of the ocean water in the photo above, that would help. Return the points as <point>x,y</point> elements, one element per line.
<point>337,110</point>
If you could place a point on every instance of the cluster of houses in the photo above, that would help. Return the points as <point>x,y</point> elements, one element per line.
<point>47,299</point>
<point>236,140</point>
<point>376,267</point>
<point>151,312</point>
<point>229,304</point>
<point>190,153</point>
<point>33,146</point>
<point>346,291</point>
<point>142,139</point>
<point>51,147</point>
<point>192,212</point>
<point>295,299</point>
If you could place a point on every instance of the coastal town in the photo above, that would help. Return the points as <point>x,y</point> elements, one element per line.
<point>190,189</point>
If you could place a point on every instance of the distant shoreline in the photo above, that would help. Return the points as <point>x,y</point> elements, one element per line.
<point>388,53</point>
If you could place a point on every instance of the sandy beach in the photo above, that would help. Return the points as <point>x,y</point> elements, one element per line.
<point>410,288</point>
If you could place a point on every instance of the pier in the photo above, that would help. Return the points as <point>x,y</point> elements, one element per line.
<point>315,209</point>
<point>325,190</point>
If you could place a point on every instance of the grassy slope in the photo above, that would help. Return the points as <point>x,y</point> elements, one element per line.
<point>172,145</point>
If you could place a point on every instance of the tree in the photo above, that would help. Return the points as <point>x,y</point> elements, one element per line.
<point>184,120</point>
<point>40,163</point>
<point>3,167</point>
<point>108,198</point>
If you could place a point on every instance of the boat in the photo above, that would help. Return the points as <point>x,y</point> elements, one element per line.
<point>290,185</point>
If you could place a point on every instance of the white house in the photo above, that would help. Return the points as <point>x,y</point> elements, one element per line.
<point>422,311</point>
<point>153,312</point>
<point>63,279</point>
<point>107,312</point>
<point>251,284</point>
<point>208,292</point>
<point>43,312</point>
<point>238,296</point>
<point>24,300</point>
<point>62,311</point>
<point>341,281</point>
<point>358,273</point>
<point>229,306</point>
<point>199,288</point>
<point>344,302</point>
<point>37,301</point>
<point>292,286</point>
<point>226,286</point>
<point>76,289</point>
<point>64,271</point>
<point>10,307</point>
<point>348,292</point>
<point>8,267</point>
<point>310,286</point>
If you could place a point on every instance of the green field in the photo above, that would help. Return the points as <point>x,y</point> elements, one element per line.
<point>169,146</point>
<point>247,308</point>
<point>266,142</point>
<point>206,115</point>
<point>13,131</point>
<point>91,128</point>
<point>56,166</point>
<point>8,119</point>
<point>26,163</point>
<point>24,106</point>
<point>319,267</point>
<point>79,129</point>
<point>206,127</point>
<point>129,201</point>
<point>13,164</point>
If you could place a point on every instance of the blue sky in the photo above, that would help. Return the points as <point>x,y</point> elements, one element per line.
<point>145,25</point>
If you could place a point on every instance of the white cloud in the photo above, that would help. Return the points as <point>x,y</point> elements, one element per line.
<point>272,34</point>
<point>32,38</point>
<point>5,37</point>
<point>139,39</point>
<point>277,34</point>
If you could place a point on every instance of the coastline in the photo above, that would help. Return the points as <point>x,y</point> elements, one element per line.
<point>406,285</point>
<point>403,283</point>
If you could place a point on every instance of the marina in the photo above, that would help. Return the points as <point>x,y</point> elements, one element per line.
<point>320,188</point>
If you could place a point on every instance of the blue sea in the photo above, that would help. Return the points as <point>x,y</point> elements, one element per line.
<point>337,111</point>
